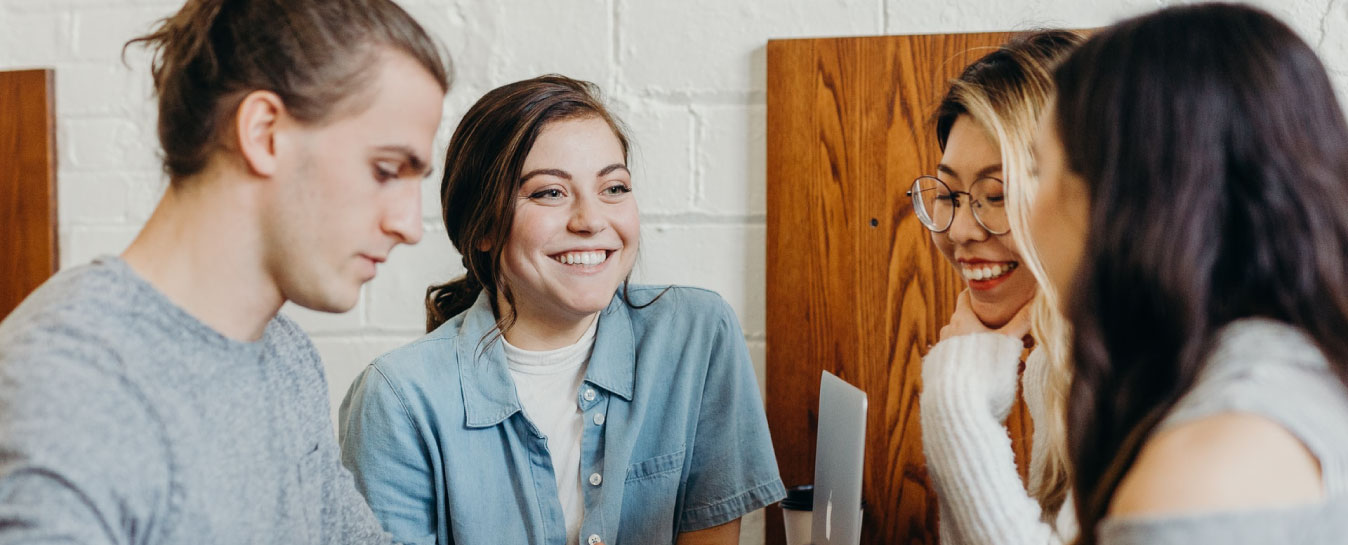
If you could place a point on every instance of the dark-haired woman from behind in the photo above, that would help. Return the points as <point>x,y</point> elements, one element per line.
<point>551,402</point>
<point>1193,211</point>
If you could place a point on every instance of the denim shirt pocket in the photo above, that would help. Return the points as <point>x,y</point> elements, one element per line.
<point>650,495</point>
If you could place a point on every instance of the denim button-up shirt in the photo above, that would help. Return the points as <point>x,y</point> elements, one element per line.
<point>675,437</point>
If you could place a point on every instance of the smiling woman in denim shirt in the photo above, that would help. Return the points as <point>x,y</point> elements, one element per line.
<point>552,402</point>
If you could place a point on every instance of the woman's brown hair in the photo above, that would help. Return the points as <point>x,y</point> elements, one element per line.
<point>482,174</point>
<point>318,56</point>
<point>1215,154</point>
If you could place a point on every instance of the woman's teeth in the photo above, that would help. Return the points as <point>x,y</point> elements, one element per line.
<point>582,258</point>
<point>987,271</point>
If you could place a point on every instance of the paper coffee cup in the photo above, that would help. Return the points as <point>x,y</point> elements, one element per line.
<point>797,516</point>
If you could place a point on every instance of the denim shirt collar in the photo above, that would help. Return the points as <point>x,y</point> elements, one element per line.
<point>489,395</point>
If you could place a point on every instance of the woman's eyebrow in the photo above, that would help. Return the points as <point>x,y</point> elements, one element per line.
<point>609,169</point>
<point>985,171</point>
<point>988,170</point>
<point>546,171</point>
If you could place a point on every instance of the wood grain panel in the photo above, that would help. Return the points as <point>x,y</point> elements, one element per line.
<point>855,285</point>
<point>28,252</point>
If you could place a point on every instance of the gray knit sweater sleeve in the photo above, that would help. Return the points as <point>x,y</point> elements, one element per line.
<point>1272,370</point>
<point>1324,524</point>
<point>81,453</point>
<point>124,420</point>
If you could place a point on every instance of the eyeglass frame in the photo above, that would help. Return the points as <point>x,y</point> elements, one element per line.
<point>956,200</point>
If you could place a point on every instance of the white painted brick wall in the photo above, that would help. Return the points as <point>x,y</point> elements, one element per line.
<point>687,77</point>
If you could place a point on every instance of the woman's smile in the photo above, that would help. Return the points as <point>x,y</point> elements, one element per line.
<point>583,260</point>
<point>986,275</point>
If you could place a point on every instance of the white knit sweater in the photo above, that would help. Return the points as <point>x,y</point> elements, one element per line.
<point>969,387</point>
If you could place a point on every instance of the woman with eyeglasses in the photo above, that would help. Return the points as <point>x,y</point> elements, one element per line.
<point>973,205</point>
<point>1193,213</point>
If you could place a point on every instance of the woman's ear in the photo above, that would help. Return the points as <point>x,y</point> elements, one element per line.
<point>255,125</point>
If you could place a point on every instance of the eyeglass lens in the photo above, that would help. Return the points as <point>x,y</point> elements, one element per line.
<point>935,204</point>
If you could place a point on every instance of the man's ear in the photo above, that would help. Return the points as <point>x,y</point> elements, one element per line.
<point>255,124</point>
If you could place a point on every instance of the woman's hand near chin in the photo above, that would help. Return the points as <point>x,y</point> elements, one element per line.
<point>969,372</point>
<point>965,322</point>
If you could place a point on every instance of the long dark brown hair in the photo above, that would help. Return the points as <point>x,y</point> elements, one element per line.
<point>482,174</point>
<point>318,56</point>
<point>1215,156</point>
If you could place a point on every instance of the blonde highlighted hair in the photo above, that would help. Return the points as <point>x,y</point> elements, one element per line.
<point>1005,92</point>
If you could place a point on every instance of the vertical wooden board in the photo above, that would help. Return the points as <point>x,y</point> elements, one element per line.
<point>917,287</point>
<point>785,106</point>
<point>28,252</point>
<point>805,165</point>
<point>854,284</point>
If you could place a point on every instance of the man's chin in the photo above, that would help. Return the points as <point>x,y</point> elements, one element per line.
<point>335,303</point>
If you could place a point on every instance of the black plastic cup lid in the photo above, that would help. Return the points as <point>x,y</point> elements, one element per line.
<point>799,498</point>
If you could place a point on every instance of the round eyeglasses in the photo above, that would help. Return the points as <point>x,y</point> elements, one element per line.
<point>935,204</point>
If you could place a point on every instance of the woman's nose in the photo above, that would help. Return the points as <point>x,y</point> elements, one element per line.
<point>965,228</point>
<point>586,217</point>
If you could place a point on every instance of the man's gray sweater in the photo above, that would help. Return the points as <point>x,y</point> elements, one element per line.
<point>124,420</point>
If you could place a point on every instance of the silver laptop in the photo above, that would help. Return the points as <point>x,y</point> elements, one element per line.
<point>839,452</point>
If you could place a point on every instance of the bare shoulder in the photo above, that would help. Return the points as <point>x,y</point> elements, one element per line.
<point>1224,462</point>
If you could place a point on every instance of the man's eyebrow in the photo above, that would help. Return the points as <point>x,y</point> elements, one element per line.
<point>414,160</point>
<point>548,171</point>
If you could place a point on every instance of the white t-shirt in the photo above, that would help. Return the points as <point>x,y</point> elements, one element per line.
<point>548,384</point>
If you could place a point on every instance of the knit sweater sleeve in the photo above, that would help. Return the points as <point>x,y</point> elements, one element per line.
<point>969,386</point>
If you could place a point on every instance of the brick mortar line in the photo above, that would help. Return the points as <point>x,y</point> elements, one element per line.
<point>701,218</point>
<point>701,98</point>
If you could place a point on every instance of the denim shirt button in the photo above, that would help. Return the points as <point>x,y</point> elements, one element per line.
<point>599,419</point>
<point>596,479</point>
<point>589,394</point>
<point>594,538</point>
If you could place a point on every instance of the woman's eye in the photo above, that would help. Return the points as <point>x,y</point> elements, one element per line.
<point>547,194</point>
<point>619,189</point>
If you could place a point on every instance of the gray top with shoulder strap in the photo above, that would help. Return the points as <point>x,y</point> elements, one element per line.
<point>1273,370</point>
<point>124,420</point>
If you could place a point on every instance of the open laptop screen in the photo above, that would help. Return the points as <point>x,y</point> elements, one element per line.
<point>840,451</point>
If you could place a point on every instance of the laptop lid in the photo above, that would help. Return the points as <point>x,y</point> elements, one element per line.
<point>840,450</point>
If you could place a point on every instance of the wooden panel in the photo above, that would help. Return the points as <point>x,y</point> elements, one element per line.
<point>28,253</point>
<point>855,285</point>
